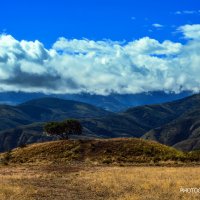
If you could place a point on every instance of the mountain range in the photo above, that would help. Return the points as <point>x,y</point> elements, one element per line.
<point>112,102</point>
<point>176,123</point>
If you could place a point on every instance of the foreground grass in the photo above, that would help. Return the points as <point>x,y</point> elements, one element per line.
<point>97,183</point>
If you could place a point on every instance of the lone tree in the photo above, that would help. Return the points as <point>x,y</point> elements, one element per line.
<point>63,129</point>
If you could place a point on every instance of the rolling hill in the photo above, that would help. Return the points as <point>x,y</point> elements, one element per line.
<point>107,151</point>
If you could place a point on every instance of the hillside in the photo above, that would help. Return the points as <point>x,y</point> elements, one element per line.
<point>94,151</point>
<point>25,134</point>
<point>23,123</point>
<point>175,123</point>
<point>96,170</point>
<point>96,121</point>
<point>46,109</point>
<point>32,133</point>
<point>182,133</point>
<point>110,126</point>
<point>159,114</point>
<point>11,117</point>
<point>183,130</point>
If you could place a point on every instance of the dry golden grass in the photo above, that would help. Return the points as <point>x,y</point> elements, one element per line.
<point>97,183</point>
<point>110,151</point>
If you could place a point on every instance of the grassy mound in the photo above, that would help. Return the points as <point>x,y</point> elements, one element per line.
<point>94,151</point>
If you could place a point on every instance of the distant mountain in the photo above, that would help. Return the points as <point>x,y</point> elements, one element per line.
<point>25,134</point>
<point>98,123</point>
<point>112,102</point>
<point>175,123</point>
<point>182,132</point>
<point>11,116</point>
<point>46,109</point>
<point>18,123</point>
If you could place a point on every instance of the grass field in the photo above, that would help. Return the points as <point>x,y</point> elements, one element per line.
<point>94,183</point>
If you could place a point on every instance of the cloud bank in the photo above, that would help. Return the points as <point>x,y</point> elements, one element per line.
<point>101,67</point>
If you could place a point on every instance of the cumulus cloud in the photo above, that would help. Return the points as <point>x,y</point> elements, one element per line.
<point>190,31</point>
<point>101,67</point>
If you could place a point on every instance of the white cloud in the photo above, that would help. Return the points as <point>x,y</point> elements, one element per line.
<point>157,25</point>
<point>190,31</point>
<point>101,67</point>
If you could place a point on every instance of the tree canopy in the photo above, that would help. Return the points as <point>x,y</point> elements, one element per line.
<point>63,129</point>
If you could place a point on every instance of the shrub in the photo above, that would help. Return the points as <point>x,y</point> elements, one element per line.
<point>63,129</point>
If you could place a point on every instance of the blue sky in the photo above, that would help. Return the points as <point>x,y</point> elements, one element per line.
<point>100,46</point>
<point>95,19</point>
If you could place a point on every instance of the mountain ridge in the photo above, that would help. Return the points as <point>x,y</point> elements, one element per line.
<point>154,122</point>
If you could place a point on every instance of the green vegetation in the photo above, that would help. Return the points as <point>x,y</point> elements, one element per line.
<point>64,129</point>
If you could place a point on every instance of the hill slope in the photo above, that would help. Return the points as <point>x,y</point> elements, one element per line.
<point>182,131</point>
<point>94,151</point>
<point>46,109</point>
<point>159,114</point>
<point>25,134</point>
<point>22,123</point>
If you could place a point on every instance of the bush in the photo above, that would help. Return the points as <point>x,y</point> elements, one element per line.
<point>63,129</point>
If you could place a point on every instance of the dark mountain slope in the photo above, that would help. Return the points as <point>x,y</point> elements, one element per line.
<point>112,102</point>
<point>172,133</point>
<point>154,116</point>
<point>46,109</point>
<point>107,127</point>
<point>114,126</point>
<point>33,133</point>
<point>17,123</point>
<point>21,135</point>
<point>11,117</point>
<point>169,123</point>
<point>184,131</point>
